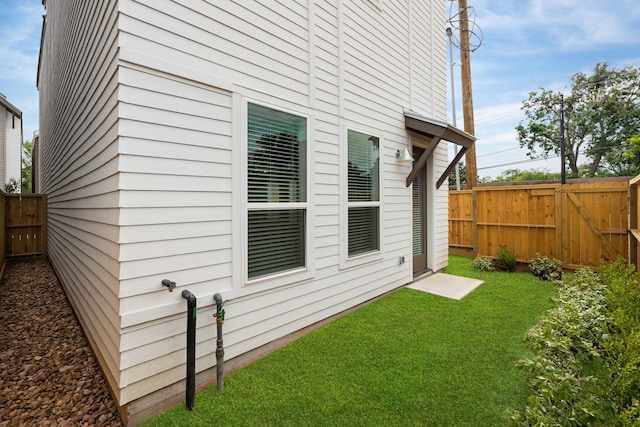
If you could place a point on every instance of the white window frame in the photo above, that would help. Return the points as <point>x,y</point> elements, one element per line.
<point>289,276</point>
<point>347,261</point>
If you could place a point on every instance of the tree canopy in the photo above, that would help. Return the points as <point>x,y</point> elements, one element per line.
<point>517,175</point>
<point>27,153</point>
<point>601,117</point>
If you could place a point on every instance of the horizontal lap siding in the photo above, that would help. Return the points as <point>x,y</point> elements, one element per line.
<point>12,146</point>
<point>370,99</point>
<point>153,319</point>
<point>154,152</point>
<point>78,86</point>
<point>429,90</point>
<point>261,47</point>
<point>176,166</point>
<point>429,62</point>
<point>175,216</point>
<point>327,138</point>
<point>376,88</point>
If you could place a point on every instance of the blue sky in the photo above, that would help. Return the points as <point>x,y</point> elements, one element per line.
<point>527,44</point>
<point>530,44</point>
<point>20,29</point>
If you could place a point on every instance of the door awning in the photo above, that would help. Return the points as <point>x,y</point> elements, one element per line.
<point>436,131</point>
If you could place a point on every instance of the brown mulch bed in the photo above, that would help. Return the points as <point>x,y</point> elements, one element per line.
<point>48,372</point>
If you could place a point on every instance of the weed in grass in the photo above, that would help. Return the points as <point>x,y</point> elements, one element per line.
<point>506,259</point>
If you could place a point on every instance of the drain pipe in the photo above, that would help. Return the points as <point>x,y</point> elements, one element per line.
<point>219,345</point>
<point>191,348</point>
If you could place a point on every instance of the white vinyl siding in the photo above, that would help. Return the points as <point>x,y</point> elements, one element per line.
<point>176,178</point>
<point>258,46</point>
<point>12,147</point>
<point>78,129</point>
<point>144,152</point>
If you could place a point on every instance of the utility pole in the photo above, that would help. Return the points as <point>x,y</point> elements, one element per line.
<point>467,97</point>
<point>453,99</point>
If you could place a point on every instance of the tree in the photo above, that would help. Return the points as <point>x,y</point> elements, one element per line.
<point>462,173</point>
<point>517,175</point>
<point>632,151</point>
<point>27,173</point>
<point>601,113</point>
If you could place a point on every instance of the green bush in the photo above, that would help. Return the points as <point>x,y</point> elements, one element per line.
<point>567,338</point>
<point>623,346</point>
<point>483,263</point>
<point>506,259</point>
<point>545,268</point>
<point>586,367</point>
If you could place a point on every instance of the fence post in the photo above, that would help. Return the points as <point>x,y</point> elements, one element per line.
<point>557,222</point>
<point>474,201</point>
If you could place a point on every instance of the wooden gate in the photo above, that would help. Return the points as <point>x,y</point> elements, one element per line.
<point>594,223</point>
<point>25,224</point>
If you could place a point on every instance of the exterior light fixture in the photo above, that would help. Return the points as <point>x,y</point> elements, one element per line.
<point>405,156</point>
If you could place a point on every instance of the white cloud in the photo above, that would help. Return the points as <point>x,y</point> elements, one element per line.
<point>539,25</point>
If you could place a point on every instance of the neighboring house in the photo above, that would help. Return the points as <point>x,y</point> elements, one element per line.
<point>10,142</point>
<point>242,148</point>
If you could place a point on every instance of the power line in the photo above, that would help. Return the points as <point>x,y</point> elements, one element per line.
<point>501,151</point>
<point>517,162</point>
<point>473,29</point>
<point>557,156</point>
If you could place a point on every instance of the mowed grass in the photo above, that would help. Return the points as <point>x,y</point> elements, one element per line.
<point>409,359</point>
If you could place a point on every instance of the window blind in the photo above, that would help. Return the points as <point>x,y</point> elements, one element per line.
<point>363,230</point>
<point>276,241</point>
<point>276,169</point>
<point>364,187</point>
<point>418,231</point>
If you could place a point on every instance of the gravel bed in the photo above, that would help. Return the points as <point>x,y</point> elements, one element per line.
<point>49,375</point>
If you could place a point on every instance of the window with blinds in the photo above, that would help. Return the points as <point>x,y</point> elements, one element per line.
<point>364,193</point>
<point>276,191</point>
<point>418,215</point>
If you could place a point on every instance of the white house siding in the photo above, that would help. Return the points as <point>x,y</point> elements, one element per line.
<point>175,217</point>
<point>10,142</point>
<point>78,128</point>
<point>185,70</point>
<point>12,147</point>
<point>429,96</point>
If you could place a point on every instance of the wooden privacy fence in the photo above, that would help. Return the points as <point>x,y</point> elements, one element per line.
<point>579,224</point>
<point>25,228</point>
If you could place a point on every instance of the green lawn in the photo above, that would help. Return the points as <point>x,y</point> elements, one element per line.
<point>407,359</point>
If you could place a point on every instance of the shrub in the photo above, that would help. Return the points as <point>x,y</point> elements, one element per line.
<point>623,347</point>
<point>12,186</point>
<point>506,259</point>
<point>545,268</point>
<point>568,337</point>
<point>586,367</point>
<point>483,263</point>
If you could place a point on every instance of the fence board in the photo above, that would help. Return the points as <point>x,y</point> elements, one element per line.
<point>580,224</point>
<point>25,224</point>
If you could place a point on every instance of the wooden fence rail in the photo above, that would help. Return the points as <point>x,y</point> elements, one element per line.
<point>579,224</point>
